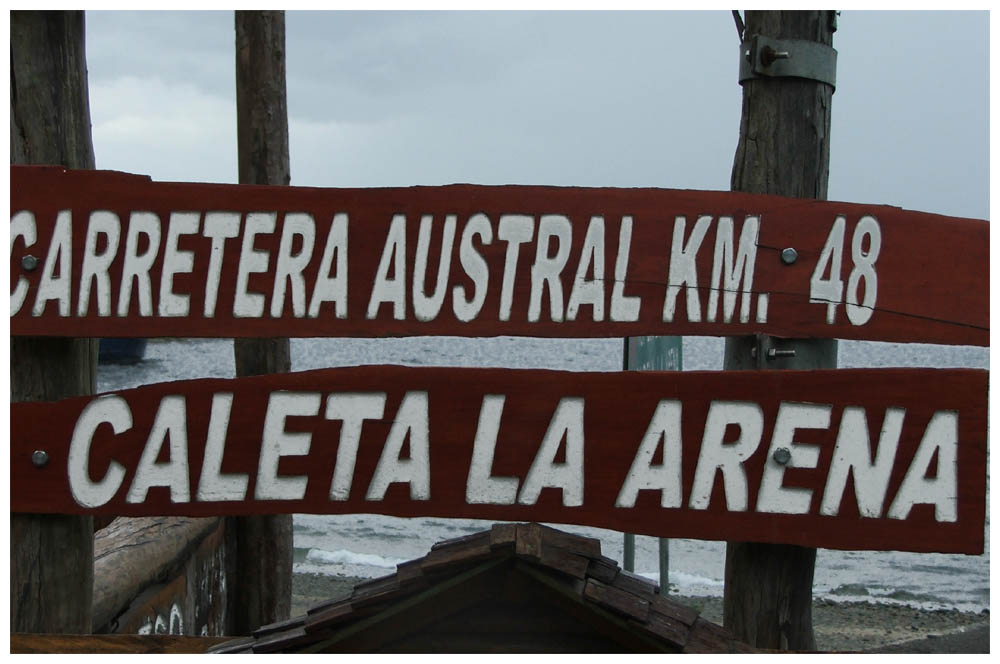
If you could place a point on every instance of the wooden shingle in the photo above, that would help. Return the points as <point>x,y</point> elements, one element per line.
<point>603,569</point>
<point>332,615</point>
<point>617,600</point>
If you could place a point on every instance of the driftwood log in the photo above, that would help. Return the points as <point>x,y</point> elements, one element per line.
<point>132,555</point>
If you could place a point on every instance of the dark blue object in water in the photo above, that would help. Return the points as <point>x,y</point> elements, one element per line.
<point>121,351</point>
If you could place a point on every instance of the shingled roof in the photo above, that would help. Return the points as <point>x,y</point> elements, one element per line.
<point>625,610</point>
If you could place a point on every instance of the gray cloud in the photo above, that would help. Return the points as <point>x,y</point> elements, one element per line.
<point>567,98</point>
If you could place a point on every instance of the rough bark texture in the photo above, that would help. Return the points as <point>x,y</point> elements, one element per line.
<point>51,560</point>
<point>784,148</point>
<point>263,589</point>
<point>132,554</point>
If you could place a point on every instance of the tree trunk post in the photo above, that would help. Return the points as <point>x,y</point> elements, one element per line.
<point>262,592</point>
<point>51,556</point>
<point>784,148</point>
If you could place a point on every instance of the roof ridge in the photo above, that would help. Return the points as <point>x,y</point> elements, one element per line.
<point>574,563</point>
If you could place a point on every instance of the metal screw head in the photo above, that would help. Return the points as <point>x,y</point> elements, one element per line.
<point>29,262</point>
<point>39,458</point>
<point>782,456</point>
<point>789,256</point>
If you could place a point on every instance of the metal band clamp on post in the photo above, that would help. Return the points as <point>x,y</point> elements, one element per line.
<point>781,58</point>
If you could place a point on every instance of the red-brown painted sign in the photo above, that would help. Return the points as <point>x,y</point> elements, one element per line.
<point>847,459</point>
<point>111,254</point>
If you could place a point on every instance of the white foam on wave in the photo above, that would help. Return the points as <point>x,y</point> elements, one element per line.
<point>344,557</point>
<point>687,582</point>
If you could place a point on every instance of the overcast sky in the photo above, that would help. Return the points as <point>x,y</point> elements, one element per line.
<point>591,99</point>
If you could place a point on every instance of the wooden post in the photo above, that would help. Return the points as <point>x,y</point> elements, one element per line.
<point>784,148</point>
<point>262,592</point>
<point>51,556</point>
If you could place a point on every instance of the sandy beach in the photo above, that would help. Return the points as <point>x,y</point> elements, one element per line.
<point>839,627</point>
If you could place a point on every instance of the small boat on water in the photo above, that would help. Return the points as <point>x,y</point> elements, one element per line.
<point>121,351</point>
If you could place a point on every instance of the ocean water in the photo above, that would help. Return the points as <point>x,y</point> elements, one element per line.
<point>372,545</point>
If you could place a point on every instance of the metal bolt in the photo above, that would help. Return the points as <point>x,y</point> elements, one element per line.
<point>768,55</point>
<point>782,456</point>
<point>789,256</point>
<point>29,262</point>
<point>780,352</point>
<point>39,458</point>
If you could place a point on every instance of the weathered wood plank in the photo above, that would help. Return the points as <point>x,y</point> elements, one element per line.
<point>375,591</point>
<point>584,546</point>
<point>529,540</point>
<point>503,535</point>
<point>617,600</point>
<point>635,584</point>
<point>810,500</point>
<point>328,616</point>
<point>603,569</point>
<point>707,637</point>
<point>664,627</point>
<point>565,561</point>
<point>112,644</point>
<point>474,549</point>
<point>514,255</point>
<point>674,610</point>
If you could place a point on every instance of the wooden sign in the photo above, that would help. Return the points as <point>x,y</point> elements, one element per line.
<point>108,254</point>
<point>846,459</point>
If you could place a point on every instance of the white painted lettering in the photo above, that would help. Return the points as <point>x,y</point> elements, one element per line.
<point>683,270</point>
<point>393,289</point>
<point>426,307</point>
<point>665,426</point>
<point>136,266</point>
<point>941,436</point>
<point>353,408</point>
<point>730,270</point>
<point>546,269</point>
<point>247,304</point>
<point>276,443</point>
<point>58,259</point>
<point>416,471</point>
<point>773,497</point>
<point>219,226</point>
<point>589,291</point>
<point>213,485</point>
<point>482,488</point>
<point>465,308</point>
<point>852,455</point>
<point>176,262</point>
<point>728,457</point>
<point>108,409</point>
<point>288,267</point>
<point>331,284</point>
<point>170,422</point>
<point>623,308</point>
<point>567,421</point>
<point>515,230</point>
<point>95,265</point>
